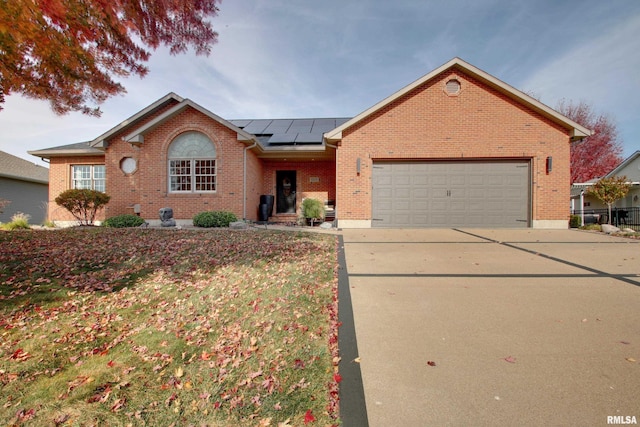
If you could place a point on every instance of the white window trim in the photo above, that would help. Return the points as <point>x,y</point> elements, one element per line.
<point>192,175</point>
<point>92,177</point>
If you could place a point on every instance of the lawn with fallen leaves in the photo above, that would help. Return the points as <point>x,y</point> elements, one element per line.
<point>163,327</point>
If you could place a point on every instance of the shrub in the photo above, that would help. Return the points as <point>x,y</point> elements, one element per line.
<point>83,204</point>
<point>123,221</point>
<point>312,208</point>
<point>596,227</point>
<point>18,221</point>
<point>575,221</point>
<point>214,219</point>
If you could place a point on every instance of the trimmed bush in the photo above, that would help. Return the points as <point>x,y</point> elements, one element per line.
<point>312,208</point>
<point>575,221</point>
<point>123,221</point>
<point>214,219</point>
<point>83,204</point>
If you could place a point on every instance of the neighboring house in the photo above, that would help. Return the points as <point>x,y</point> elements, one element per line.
<point>630,168</point>
<point>457,147</point>
<point>26,186</point>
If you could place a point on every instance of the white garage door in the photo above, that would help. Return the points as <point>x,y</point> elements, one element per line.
<point>451,194</point>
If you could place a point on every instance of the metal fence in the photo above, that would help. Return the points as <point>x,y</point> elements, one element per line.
<point>620,217</point>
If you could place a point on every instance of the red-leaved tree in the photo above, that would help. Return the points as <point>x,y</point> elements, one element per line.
<point>68,51</point>
<point>596,155</point>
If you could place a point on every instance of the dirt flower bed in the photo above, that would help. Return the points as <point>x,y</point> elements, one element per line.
<point>168,328</point>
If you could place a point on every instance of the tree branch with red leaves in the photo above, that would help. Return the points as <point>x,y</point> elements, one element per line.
<point>595,155</point>
<point>69,51</point>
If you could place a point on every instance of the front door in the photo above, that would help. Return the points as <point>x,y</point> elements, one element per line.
<point>286,192</point>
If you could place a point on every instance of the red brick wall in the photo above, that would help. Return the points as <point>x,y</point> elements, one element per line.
<point>477,123</point>
<point>60,180</point>
<point>149,186</point>
<point>255,177</point>
<point>323,189</point>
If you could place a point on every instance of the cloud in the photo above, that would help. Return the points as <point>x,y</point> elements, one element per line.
<point>599,69</point>
<point>603,72</point>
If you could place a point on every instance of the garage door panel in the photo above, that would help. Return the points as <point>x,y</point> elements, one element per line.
<point>402,205</point>
<point>383,179</point>
<point>419,193</point>
<point>402,193</point>
<point>402,180</point>
<point>385,192</point>
<point>420,205</point>
<point>419,179</point>
<point>451,194</point>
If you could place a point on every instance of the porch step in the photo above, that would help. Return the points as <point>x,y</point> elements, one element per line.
<point>284,219</point>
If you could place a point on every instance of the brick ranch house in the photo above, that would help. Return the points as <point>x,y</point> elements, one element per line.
<point>458,147</point>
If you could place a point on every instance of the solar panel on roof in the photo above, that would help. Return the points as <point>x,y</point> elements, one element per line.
<point>278,126</point>
<point>282,138</point>
<point>323,125</point>
<point>293,126</point>
<point>257,126</point>
<point>301,125</point>
<point>240,123</point>
<point>309,138</point>
<point>302,122</point>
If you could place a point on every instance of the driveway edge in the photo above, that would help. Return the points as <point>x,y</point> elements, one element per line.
<point>353,409</point>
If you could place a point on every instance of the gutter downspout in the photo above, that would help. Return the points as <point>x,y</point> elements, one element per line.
<point>582,208</point>
<point>244,178</point>
<point>335,147</point>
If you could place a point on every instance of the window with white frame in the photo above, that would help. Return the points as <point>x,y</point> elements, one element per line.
<point>192,164</point>
<point>91,177</point>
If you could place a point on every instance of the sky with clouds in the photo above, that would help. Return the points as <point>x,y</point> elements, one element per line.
<point>336,58</point>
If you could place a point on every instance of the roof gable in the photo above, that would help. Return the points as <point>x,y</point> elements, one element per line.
<point>576,130</point>
<point>100,142</point>
<point>137,135</point>
<point>630,168</point>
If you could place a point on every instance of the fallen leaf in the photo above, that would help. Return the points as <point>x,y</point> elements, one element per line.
<point>20,355</point>
<point>510,359</point>
<point>308,417</point>
<point>24,415</point>
<point>625,342</point>
<point>431,363</point>
<point>337,378</point>
<point>118,405</point>
<point>178,372</point>
<point>631,359</point>
<point>61,419</point>
<point>357,360</point>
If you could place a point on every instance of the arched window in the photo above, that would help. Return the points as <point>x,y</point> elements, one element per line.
<point>192,164</point>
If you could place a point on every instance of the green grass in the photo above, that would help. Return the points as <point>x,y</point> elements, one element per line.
<point>155,328</point>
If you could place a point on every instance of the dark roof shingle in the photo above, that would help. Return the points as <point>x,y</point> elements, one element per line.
<point>18,168</point>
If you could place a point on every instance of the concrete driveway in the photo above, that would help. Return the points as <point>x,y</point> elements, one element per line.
<point>524,327</point>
